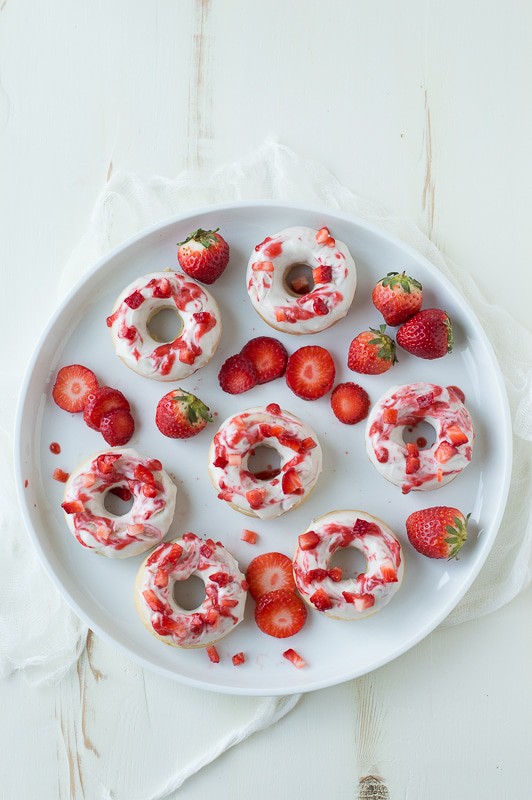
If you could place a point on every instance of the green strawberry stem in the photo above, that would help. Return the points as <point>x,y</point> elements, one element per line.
<point>206,238</point>
<point>403,280</point>
<point>386,344</point>
<point>195,408</point>
<point>457,535</point>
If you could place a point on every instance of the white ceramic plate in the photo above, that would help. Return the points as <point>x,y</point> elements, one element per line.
<point>100,589</point>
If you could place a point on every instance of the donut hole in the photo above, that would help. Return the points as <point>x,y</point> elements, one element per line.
<point>422,434</point>
<point>264,463</point>
<point>165,325</point>
<point>298,280</point>
<point>116,504</point>
<point>189,594</point>
<point>350,560</point>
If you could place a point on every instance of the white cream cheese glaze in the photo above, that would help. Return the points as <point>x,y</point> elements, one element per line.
<point>355,597</point>
<point>413,403</point>
<point>146,522</point>
<point>225,592</point>
<point>325,304</point>
<point>190,350</point>
<point>299,451</point>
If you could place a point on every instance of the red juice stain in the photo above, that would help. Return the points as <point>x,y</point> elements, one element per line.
<point>421,441</point>
<point>26,484</point>
<point>55,448</point>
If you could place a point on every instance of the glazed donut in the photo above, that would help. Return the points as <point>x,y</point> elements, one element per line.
<point>264,497</point>
<point>225,592</point>
<point>334,275</point>
<point>146,522</point>
<point>324,588</point>
<point>190,350</point>
<point>404,464</point>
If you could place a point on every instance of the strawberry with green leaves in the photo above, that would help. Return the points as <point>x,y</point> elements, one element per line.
<point>203,255</point>
<point>372,352</point>
<point>180,415</point>
<point>398,297</point>
<point>437,532</point>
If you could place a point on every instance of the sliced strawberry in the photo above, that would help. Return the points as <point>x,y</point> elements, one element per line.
<point>237,375</point>
<point>322,274</point>
<point>280,614</point>
<point>72,387</point>
<point>350,403</point>
<point>308,540</point>
<point>323,235</point>
<point>117,427</point>
<point>456,435</point>
<point>268,356</point>
<point>238,658</point>
<point>269,572</point>
<point>152,600</point>
<point>361,601</point>
<point>292,482</point>
<point>100,402</point>
<point>310,372</point>
<point>249,536</point>
<point>213,654</point>
<point>294,658</point>
<point>60,475</point>
<point>444,452</point>
<point>321,600</point>
<point>73,507</point>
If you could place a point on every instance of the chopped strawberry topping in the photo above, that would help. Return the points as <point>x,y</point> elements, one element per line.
<point>249,536</point>
<point>335,574</point>
<point>389,415</point>
<point>322,235</point>
<point>425,400</point>
<point>360,601</point>
<point>143,474</point>
<point>134,300</point>
<point>154,464</point>
<point>262,266</point>
<point>161,578</point>
<point>308,540</point>
<point>381,454</point>
<point>412,449</point>
<point>162,288</point>
<point>444,452</point>
<point>321,600</point>
<point>238,658</point>
<point>221,578</point>
<point>456,435</point>
<point>89,479</point>
<point>171,556</point>
<point>273,408</point>
<point>292,482</point>
<point>73,507</point>
<point>412,465</point>
<point>316,575</point>
<point>294,658</point>
<point>220,462</point>
<point>389,574</point>
<point>212,652</point>
<point>106,462</point>
<point>320,307</point>
<point>255,497</point>
<point>152,600</point>
<point>322,274</point>
<point>60,475</point>
<point>361,527</point>
<point>457,392</point>
<point>148,490</point>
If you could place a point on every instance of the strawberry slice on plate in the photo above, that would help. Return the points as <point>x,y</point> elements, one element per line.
<point>117,427</point>
<point>310,372</point>
<point>280,614</point>
<point>350,403</point>
<point>237,375</point>
<point>72,387</point>
<point>269,572</point>
<point>100,402</point>
<point>268,356</point>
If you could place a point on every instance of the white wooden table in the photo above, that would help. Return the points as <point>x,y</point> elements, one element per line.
<point>423,107</point>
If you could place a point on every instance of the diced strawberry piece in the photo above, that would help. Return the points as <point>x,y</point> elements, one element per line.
<point>273,408</point>
<point>238,658</point>
<point>161,578</point>
<point>72,507</point>
<point>72,387</point>
<point>290,441</point>
<point>60,475</point>
<point>322,235</point>
<point>444,452</point>
<point>361,601</point>
<point>425,400</point>
<point>294,658</point>
<point>361,527</point>
<point>221,578</point>
<point>308,540</point>
<point>316,575</point>
<point>300,285</point>
<point>389,574</point>
<point>103,532</point>
<point>270,572</point>
<point>212,652</point>
<point>172,555</point>
<point>162,288</point>
<point>457,392</point>
<point>190,537</point>
<point>226,604</point>
<point>249,536</point>
<point>280,315</point>
<point>244,585</point>
<point>310,372</point>
<point>322,274</point>
<point>211,616</point>
<point>106,462</point>
<point>135,530</point>
<point>412,449</point>
<point>262,266</point>
<point>237,375</point>
<point>320,307</point>
<point>206,550</point>
<point>152,600</point>
<point>439,476</point>
<point>381,454</point>
<point>330,242</point>
<point>292,482</point>
<point>154,465</point>
<point>101,402</point>
<point>255,497</point>
<point>389,415</point>
<point>456,435</point>
<point>321,600</point>
<point>89,479</point>
<point>166,626</point>
<point>268,357</point>
<point>412,465</point>
<point>308,443</point>
<point>234,459</point>
<point>280,613</point>
<point>117,427</point>
<point>220,462</point>
<point>144,474</point>
<point>134,300</point>
<point>335,574</point>
<point>148,490</point>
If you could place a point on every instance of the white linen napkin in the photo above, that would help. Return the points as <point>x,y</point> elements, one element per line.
<point>53,637</point>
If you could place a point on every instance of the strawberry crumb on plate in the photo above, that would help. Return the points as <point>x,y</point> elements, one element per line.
<point>213,654</point>
<point>249,536</point>
<point>294,657</point>
<point>238,659</point>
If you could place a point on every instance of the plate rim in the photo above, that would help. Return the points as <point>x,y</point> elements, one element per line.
<point>168,222</point>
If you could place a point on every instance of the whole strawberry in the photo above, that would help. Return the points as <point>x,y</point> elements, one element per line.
<point>398,297</point>
<point>203,255</point>
<point>371,352</point>
<point>181,415</point>
<point>437,532</point>
<point>428,334</point>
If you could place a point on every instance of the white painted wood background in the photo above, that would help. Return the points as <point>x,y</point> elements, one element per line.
<point>422,106</point>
